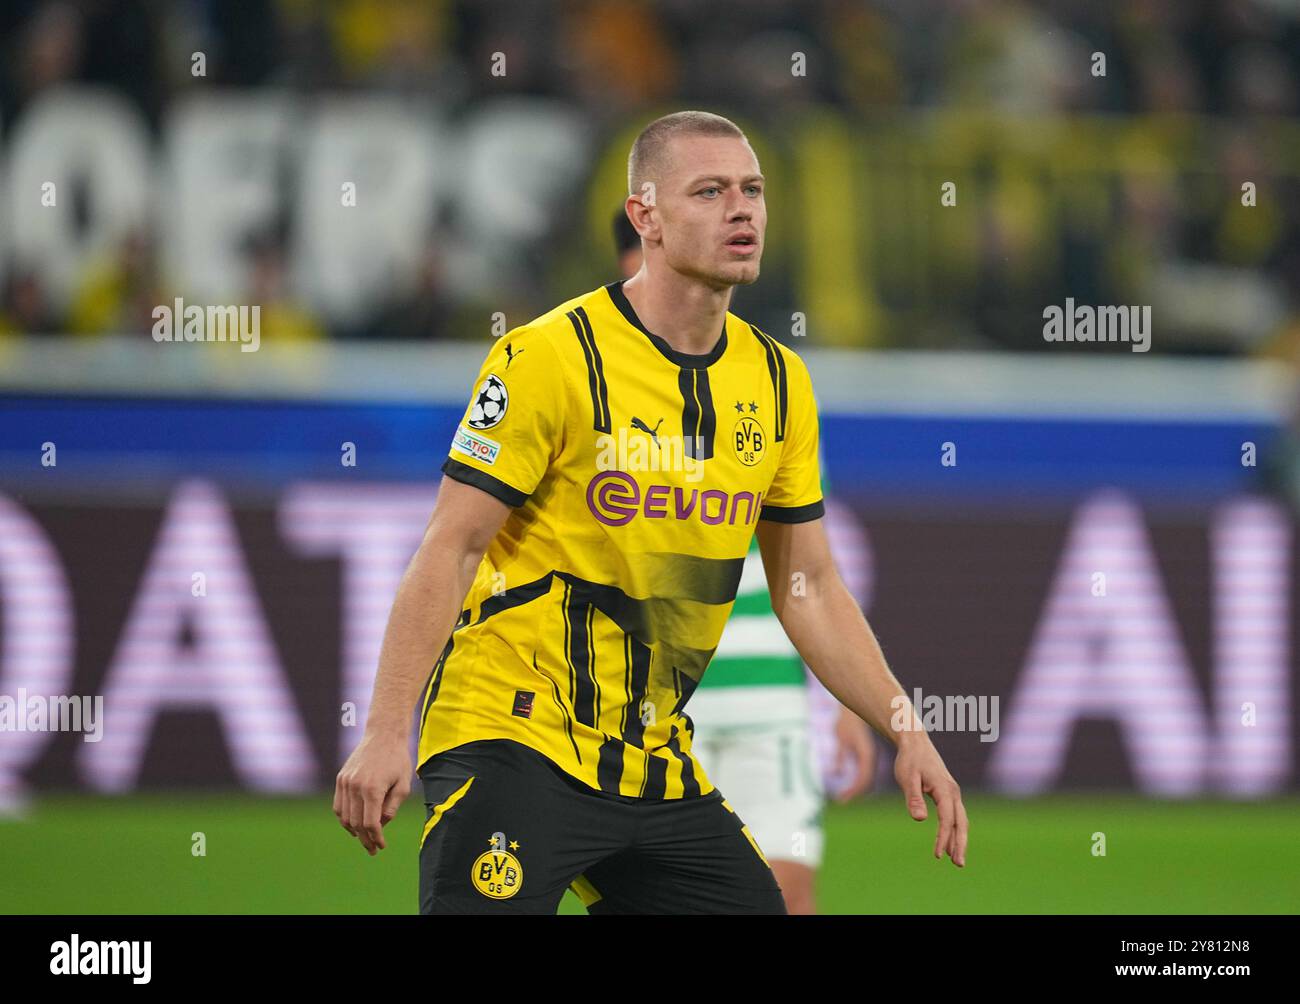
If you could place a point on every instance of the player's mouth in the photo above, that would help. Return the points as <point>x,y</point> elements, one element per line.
<point>743,244</point>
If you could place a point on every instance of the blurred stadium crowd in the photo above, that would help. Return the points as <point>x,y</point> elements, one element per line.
<point>1119,189</point>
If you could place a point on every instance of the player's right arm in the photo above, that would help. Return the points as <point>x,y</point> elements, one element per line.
<point>508,437</point>
<point>376,778</point>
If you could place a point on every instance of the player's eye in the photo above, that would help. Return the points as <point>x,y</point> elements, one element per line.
<point>711,188</point>
<point>756,189</point>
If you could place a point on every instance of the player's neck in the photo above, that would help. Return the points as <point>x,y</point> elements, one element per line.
<point>684,313</point>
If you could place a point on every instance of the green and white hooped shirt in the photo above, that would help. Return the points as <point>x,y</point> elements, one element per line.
<point>756,678</point>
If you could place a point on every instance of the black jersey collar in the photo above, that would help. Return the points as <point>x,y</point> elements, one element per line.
<point>684,359</point>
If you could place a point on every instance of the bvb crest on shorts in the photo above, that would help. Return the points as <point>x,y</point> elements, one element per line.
<point>497,873</point>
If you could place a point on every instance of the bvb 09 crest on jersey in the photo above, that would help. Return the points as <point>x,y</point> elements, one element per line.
<point>750,441</point>
<point>497,873</point>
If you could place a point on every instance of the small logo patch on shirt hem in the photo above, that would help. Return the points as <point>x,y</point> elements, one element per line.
<point>523,704</point>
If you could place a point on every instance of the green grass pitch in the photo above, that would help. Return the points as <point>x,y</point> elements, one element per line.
<point>80,854</point>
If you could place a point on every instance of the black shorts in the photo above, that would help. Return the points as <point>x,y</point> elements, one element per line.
<point>507,831</point>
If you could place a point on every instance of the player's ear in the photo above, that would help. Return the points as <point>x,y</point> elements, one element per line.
<point>640,210</point>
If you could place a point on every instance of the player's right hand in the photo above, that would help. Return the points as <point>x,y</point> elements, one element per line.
<point>371,787</point>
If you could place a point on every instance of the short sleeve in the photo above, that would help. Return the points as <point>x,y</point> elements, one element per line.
<point>795,495</point>
<point>513,424</point>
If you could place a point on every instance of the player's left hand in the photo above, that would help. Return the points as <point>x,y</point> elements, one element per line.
<point>920,771</point>
<point>854,751</point>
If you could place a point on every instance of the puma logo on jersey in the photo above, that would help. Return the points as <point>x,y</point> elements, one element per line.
<point>511,353</point>
<point>654,433</point>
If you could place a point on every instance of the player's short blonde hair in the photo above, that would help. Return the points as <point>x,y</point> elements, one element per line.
<point>649,157</point>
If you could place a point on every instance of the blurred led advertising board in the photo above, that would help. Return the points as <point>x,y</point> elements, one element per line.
<point>1110,604</point>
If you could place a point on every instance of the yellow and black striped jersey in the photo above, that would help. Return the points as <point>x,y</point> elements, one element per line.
<point>637,474</point>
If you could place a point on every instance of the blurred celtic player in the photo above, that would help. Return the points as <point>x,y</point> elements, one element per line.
<point>757,708</point>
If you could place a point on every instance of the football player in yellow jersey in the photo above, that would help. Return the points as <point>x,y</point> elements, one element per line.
<point>616,458</point>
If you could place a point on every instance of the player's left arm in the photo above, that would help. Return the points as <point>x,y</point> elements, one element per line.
<point>825,624</point>
<point>854,756</point>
